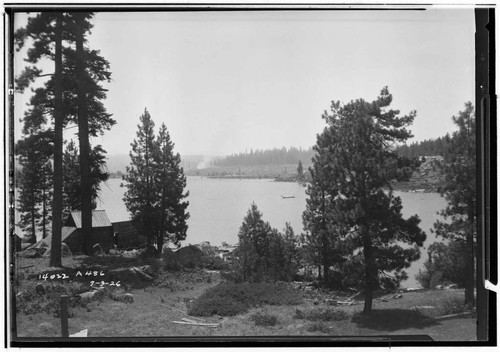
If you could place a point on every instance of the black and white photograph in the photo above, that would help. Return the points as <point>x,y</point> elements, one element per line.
<point>252,172</point>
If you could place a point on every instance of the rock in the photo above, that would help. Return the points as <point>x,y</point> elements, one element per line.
<point>410,289</point>
<point>82,333</point>
<point>134,253</point>
<point>65,251</point>
<point>97,249</point>
<point>80,256</point>
<point>34,252</point>
<point>46,327</point>
<point>127,298</point>
<point>439,287</point>
<point>423,307</point>
<point>147,269</point>
<point>87,295</point>
<point>40,289</point>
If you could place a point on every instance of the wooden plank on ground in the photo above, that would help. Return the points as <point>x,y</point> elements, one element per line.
<point>196,324</point>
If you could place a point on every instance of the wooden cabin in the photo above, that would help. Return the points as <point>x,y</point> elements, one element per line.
<point>72,234</point>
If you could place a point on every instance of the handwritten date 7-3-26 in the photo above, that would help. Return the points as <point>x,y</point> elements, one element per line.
<point>104,283</point>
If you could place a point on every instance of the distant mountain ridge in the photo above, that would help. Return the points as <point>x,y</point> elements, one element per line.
<point>119,162</point>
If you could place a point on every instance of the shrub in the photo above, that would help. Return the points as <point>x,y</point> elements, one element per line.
<point>263,253</point>
<point>264,319</point>
<point>223,306</point>
<point>37,297</point>
<point>321,314</point>
<point>326,314</point>
<point>235,298</point>
<point>454,305</point>
<point>170,261</point>
<point>319,327</point>
<point>299,314</point>
<point>446,264</point>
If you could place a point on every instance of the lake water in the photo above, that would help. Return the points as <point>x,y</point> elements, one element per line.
<point>217,208</point>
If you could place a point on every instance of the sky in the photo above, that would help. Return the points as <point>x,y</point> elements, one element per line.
<point>226,82</point>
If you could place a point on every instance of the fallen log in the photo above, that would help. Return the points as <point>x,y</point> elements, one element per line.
<point>141,273</point>
<point>196,324</point>
<point>453,316</point>
<point>27,266</point>
<point>183,312</point>
<point>350,303</point>
<point>190,320</point>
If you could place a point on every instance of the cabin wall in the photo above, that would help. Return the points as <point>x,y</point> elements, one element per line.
<point>101,235</point>
<point>128,236</point>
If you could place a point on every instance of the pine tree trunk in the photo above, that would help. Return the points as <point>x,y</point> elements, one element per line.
<point>33,226</point>
<point>160,243</point>
<point>55,248</point>
<point>83,137</point>
<point>369,269</point>
<point>325,262</point>
<point>44,214</point>
<point>469,263</point>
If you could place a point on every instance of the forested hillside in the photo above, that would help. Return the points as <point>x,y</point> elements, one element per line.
<point>275,156</point>
<point>425,148</point>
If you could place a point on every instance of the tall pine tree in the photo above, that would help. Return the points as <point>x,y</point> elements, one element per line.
<point>34,183</point>
<point>322,234</point>
<point>460,215</point>
<point>45,31</point>
<point>155,186</point>
<point>171,212</point>
<point>72,199</point>
<point>77,73</point>
<point>139,196</point>
<point>360,163</point>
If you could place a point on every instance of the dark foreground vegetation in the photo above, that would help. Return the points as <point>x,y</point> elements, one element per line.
<point>228,299</point>
<point>143,306</point>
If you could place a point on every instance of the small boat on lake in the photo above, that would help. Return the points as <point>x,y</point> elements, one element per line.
<point>287,197</point>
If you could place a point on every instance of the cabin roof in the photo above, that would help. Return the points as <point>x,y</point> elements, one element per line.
<point>99,219</point>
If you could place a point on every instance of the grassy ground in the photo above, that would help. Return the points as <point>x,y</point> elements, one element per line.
<point>156,306</point>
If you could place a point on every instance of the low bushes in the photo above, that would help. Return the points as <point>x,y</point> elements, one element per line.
<point>319,327</point>
<point>264,319</point>
<point>45,298</point>
<point>229,299</point>
<point>321,314</point>
<point>446,264</point>
<point>320,317</point>
<point>35,298</point>
<point>454,305</point>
